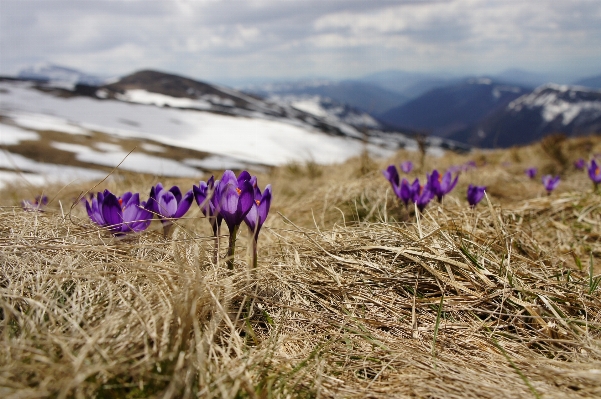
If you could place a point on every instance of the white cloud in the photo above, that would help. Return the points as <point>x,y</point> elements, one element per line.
<point>218,39</point>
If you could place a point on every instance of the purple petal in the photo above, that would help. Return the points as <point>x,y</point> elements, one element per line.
<point>131,209</point>
<point>111,211</point>
<point>244,176</point>
<point>184,205</point>
<point>265,204</point>
<point>167,204</point>
<point>177,193</point>
<point>391,175</point>
<point>252,218</point>
<point>246,200</point>
<point>229,177</point>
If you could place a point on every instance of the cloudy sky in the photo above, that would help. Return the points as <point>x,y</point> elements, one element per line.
<point>232,40</point>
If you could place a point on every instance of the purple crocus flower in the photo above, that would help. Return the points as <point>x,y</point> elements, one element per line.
<point>120,215</point>
<point>475,194</point>
<point>392,176</point>
<point>440,185</point>
<point>409,192</point>
<point>550,183</point>
<point>37,205</point>
<point>531,172</point>
<point>234,198</point>
<point>169,204</point>
<point>255,218</point>
<point>407,166</point>
<point>405,192</point>
<point>257,215</point>
<point>580,164</point>
<point>206,200</point>
<point>423,198</point>
<point>594,172</point>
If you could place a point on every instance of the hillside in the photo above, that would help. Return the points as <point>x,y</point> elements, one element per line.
<point>570,110</point>
<point>445,110</point>
<point>353,295</point>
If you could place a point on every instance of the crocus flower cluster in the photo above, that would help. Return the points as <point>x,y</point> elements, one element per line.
<point>231,199</point>
<point>437,185</point>
<point>441,185</point>
<point>234,200</point>
<point>120,215</point>
<point>550,183</point>
<point>579,164</point>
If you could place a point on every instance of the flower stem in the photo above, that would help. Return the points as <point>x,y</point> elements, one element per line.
<point>254,244</point>
<point>216,232</point>
<point>232,248</point>
<point>167,229</point>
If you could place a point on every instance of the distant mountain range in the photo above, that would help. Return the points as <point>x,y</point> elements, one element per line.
<point>445,110</point>
<point>59,75</point>
<point>593,82</point>
<point>548,109</point>
<point>500,110</point>
<point>367,97</point>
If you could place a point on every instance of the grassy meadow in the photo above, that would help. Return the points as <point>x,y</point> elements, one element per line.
<point>353,297</point>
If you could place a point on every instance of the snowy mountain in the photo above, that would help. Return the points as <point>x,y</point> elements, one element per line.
<point>446,110</point>
<point>332,111</point>
<point>550,108</point>
<point>59,75</point>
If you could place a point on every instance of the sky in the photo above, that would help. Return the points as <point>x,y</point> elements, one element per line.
<point>232,41</point>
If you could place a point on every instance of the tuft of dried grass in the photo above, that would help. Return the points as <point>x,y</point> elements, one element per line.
<point>354,296</point>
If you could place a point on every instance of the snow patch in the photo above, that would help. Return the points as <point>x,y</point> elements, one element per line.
<point>12,135</point>
<point>35,121</point>
<point>134,162</point>
<point>309,106</point>
<point>557,101</point>
<point>42,173</point>
<point>145,97</point>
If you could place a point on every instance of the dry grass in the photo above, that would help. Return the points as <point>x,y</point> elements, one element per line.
<point>353,297</point>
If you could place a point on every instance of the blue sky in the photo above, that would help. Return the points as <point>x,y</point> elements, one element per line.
<point>233,40</point>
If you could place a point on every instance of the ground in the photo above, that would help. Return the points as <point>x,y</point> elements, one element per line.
<point>354,295</point>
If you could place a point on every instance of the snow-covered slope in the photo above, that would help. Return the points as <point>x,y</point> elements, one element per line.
<point>332,111</point>
<point>27,113</point>
<point>551,108</point>
<point>561,104</point>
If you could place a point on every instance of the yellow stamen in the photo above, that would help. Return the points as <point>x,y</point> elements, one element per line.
<point>258,202</point>
<point>238,190</point>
